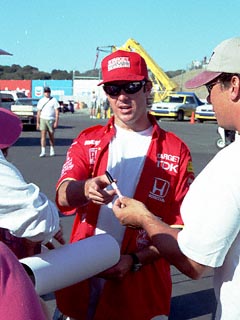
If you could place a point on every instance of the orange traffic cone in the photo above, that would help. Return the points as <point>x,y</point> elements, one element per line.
<point>192,120</point>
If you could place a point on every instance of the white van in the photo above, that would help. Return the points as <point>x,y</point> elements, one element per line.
<point>7,98</point>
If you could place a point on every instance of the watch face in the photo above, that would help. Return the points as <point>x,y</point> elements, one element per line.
<point>136,267</point>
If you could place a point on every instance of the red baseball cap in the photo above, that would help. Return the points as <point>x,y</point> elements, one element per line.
<point>123,66</point>
<point>10,128</point>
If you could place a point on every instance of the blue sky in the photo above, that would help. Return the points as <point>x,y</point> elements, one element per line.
<point>61,34</point>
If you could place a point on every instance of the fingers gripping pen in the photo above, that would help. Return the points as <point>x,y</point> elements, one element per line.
<point>113,184</point>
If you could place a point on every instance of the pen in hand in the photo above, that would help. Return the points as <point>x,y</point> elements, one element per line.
<point>113,184</point>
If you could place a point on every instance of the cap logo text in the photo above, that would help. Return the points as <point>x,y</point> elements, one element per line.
<point>119,62</point>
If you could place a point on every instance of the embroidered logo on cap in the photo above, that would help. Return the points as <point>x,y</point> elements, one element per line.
<point>119,62</point>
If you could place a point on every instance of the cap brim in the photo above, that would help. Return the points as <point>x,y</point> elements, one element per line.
<point>202,79</point>
<point>11,128</point>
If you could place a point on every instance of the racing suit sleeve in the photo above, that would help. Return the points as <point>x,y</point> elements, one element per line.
<point>77,167</point>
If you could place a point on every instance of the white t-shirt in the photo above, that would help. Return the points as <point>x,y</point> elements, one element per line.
<point>48,107</point>
<point>24,210</point>
<point>127,152</point>
<point>211,215</point>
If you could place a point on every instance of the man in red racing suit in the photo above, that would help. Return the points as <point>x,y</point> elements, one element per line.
<point>162,183</point>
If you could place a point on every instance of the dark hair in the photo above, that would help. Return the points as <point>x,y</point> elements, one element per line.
<point>225,78</point>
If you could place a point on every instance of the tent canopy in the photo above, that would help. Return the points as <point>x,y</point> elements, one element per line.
<point>3,52</point>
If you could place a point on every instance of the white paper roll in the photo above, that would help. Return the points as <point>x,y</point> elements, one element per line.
<point>72,263</point>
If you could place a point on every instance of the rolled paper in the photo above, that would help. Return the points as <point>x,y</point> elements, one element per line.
<point>71,263</point>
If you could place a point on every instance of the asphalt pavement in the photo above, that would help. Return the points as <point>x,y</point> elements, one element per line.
<point>190,299</point>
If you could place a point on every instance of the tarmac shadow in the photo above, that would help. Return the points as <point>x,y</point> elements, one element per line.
<point>32,128</point>
<point>33,141</point>
<point>193,305</point>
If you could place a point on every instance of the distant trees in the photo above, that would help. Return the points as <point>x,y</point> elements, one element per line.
<point>16,72</point>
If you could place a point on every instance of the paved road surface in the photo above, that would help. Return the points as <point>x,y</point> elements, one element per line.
<point>191,299</point>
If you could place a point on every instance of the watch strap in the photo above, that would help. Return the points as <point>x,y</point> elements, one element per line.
<point>136,263</point>
<point>135,258</point>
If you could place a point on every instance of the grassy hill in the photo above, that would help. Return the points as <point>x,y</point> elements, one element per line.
<point>181,79</point>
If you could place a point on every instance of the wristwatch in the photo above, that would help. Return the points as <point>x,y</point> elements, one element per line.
<point>137,265</point>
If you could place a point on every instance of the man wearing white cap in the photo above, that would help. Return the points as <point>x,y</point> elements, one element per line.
<point>211,233</point>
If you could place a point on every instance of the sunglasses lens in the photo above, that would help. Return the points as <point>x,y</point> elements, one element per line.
<point>133,87</point>
<point>112,90</point>
<point>130,88</point>
<point>209,87</point>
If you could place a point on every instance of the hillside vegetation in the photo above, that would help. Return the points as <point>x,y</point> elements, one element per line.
<point>182,78</point>
<point>16,72</point>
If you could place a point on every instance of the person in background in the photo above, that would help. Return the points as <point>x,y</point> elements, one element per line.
<point>106,107</point>
<point>47,120</point>
<point>148,163</point>
<point>27,217</point>
<point>93,109</point>
<point>211,234</point>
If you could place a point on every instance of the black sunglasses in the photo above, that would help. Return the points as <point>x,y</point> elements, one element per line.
<point>211,85</point>
<point>129,88</point>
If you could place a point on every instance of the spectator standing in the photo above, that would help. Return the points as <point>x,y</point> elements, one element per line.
<point>47,120</point>
<point>106,107</point>
<point>93,109</point>
<point>150,164</point>
<point>211,234</point>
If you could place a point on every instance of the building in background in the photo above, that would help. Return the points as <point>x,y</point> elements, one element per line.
<point>24,86</point>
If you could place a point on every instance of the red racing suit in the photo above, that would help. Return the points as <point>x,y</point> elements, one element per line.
<point>163,183</point>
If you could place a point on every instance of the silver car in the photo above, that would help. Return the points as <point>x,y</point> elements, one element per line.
<point>26,109</point>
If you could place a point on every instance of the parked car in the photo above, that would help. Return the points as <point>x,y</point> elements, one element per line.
<point>204,113</point>
<point>26,109</point>
<point>176,105</point>
<point>8,97</point>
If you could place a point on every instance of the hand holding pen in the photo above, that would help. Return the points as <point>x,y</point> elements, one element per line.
<point>113,184</point>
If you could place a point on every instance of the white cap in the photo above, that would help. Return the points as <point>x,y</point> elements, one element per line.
<point>225,59</point>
